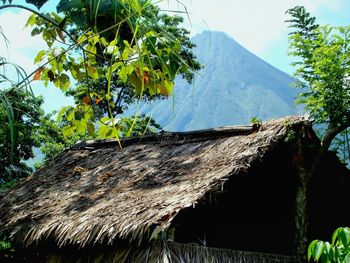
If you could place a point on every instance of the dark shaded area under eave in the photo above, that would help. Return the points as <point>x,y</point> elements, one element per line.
<point>256,210</point>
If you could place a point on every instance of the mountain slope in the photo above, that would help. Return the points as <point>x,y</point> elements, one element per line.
<point>234,86</point>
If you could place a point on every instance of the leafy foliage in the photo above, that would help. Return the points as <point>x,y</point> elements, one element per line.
<point>255,120</point>
<point>338,251</point>
<point>53,140</point>
<point>323,68</point>
<point>322,61</point>
<point>26,115</point>
<point>116,52</point>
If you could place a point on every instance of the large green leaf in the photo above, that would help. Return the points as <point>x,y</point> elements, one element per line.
<point>315,250</point>
<point>344,236</point>
<point>318,250</point>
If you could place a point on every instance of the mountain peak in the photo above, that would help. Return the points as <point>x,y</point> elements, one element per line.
<point>234,86</point>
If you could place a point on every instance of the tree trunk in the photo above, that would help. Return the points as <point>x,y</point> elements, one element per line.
<point>301,214</point>
<point>305,165</point>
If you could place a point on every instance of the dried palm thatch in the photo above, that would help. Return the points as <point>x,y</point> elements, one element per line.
<point>172,252</point>
<point>97,192</point>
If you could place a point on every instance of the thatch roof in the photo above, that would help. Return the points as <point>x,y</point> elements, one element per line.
<point>98,192</point>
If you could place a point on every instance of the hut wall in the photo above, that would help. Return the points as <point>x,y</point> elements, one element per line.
<point>329,196</point>
<point>255,211</point>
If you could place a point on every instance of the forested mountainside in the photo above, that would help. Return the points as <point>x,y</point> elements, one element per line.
<point>234,86</point>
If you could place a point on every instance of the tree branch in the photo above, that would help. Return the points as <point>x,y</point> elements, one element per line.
<point>331,132</point>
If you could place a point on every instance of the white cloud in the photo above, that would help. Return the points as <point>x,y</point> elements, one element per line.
<point>22,51</point>
<point>23,47</point>
<point>253,23</point>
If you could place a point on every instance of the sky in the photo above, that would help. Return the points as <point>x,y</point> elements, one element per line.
<point>257,25</point>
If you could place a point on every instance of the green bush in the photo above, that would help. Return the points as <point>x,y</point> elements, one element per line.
<point>338,251</point>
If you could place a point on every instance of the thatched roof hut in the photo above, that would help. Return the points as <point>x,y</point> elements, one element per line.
<point>171,196</point>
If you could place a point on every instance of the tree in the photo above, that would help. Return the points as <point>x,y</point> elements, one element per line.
<point>323,71</point>
<point>53,141</point>
<point>117,52</point>
<point>322,61</point>
<point>164,27</point>
<point>26,114</point>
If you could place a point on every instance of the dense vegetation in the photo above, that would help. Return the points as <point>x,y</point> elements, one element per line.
<point>26,115</point>
<point>322,65</point>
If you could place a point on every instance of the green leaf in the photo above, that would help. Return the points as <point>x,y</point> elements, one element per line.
<point>136,83</point>
<point>169,85</point>
<point>67,130</point>
<point>71,116</point>
<point>115,66</point>
<point>76,73</point>
<point>136,6</point>
<point>31,20</point>
<point>327,247</point>
<point>81,39</point>
<point>315,250</point>
<point>91,128</point>
<point>347,257</point>
<point>104,131</point>
<point>126,53</point>
<point>125,72</point>
<point>311,249</point>
<point>91,48</point>
<point>331,253</point>
<point>81,126</point>
<point>49,37</point>
<point>39,56</point>
<point>64,82</point>
<point>344,236</point>
<point>318,250</point>
<point>61,113</point>
<point>92,72</point>
<point>105,120</point>
<point>57,82</point>
<point>335,235</point>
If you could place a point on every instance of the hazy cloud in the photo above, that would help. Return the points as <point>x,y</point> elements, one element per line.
<point>253,23</point>
<point>22,51</point>
<point>23,47</point>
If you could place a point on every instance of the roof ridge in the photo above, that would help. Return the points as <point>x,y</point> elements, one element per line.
<point>168,137</point>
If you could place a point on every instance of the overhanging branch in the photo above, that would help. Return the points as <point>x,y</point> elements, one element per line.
<point>331,132</point>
